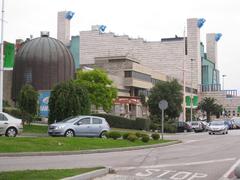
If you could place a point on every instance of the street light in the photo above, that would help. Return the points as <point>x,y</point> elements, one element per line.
<point>191,115</point>
<point>223,76</point>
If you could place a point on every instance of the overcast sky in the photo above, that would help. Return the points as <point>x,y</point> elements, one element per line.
<point>149,19</point>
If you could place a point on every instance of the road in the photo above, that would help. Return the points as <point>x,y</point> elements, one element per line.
<point>200,156</point>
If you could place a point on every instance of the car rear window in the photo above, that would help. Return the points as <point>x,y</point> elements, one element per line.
<point>96,121</point>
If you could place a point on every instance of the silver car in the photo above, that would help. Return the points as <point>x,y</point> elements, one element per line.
<point>218,127</point>
<point>9,125</point>
<point>80,126</point>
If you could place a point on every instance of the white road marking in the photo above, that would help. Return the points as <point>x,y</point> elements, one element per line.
<point>231,169</point>
<point>179,164</point>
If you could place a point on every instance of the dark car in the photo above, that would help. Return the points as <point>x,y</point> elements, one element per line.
<point>183,127</point>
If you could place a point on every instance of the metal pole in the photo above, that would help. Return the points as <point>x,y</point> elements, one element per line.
<point>1,60</point>
<point>162,123</point>
<point>184,83</point>
<point>191,93</point>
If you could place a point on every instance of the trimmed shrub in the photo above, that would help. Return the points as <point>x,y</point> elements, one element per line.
<point>14,112</point>
<point>107,134</point>
<point>125,135</point>
<point>114,135</point>
<point>132,137</point>
<point>154,126</point>
<point>155,136</point>
<point>121,122</point>
<point>139,134</point>
<point>145,138</point>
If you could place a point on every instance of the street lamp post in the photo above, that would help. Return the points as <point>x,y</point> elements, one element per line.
<point>1,60</point>
<point>191,92</point>
<point>223,76</point>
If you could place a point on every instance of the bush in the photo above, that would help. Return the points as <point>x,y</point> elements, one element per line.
<point>14,112</point>
<point>125,135</point>
<point>145,138</point>
<point>154,126</point>
<point>170,127</point>
<point>121,122</point>
<point>132,137</point>
<point>68,99</point>
<point>139,134</point>
<point>114,135</point>
<point>155,136</point>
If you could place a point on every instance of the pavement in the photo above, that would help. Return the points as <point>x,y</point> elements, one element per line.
<point>200,156</point>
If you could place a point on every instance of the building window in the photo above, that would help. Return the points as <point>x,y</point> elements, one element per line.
<point>128,73</point>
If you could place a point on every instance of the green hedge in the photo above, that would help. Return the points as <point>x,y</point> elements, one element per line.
<point>13,111</point>
<point>121,122</point>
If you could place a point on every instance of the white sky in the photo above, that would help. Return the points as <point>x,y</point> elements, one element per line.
<point>149,19</point>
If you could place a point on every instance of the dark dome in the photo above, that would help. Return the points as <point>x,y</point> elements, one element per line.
<point>42,62</point>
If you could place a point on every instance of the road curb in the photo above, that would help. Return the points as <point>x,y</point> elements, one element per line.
<point>89,175</point>
<point>87,151</point>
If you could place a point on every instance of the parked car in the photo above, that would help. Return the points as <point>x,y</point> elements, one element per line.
<point>236,122</point>
<point>198,126</point>
<point>9,125</point>
<point>183,127</point>
<point>218,127</point>
<point>80,126</point>
<point>230,124</point>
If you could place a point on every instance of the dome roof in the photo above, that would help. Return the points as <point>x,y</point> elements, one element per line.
<point>42,62</point>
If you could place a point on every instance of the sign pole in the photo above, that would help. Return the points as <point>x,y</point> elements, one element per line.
<point>163,104</point>
<point>162,123</point>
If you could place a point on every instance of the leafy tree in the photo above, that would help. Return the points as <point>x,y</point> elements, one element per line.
<point>171,91</point>
<point>68,99</point>
<point>28,102</point>
<point>100,88</point>
<point>209,105</point>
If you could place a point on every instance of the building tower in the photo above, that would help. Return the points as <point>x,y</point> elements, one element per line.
<point>63,30</point>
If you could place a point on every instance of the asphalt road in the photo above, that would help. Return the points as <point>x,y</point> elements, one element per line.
<point>200,156</point>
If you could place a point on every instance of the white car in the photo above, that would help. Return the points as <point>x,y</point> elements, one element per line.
<point>218,127</point>
<point>9,125</point>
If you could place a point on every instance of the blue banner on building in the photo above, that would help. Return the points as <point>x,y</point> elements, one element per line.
<point>43,103</point>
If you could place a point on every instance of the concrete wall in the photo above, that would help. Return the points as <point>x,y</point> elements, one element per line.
<point>63,29</point>
<point>166,57</point>
<point>212,48</point>
<point>229,103</point>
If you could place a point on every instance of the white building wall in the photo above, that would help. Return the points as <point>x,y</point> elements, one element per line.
<point>166,57</point>
<point>212,48</point>
<point>63,30</point>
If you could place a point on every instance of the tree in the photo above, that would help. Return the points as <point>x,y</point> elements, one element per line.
<point>171,91</point>
<point>100,88</point>
<point>209,105</point>
<point>68,99</point>
<point>28,102</point>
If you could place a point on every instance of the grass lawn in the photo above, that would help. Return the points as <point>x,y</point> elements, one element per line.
<point>43,144</point>
<point>50,174</point>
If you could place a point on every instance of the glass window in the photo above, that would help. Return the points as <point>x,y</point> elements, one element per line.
<point>3,118</point>
<point>85,121</point>
<point>128,73</point>
<point>96,121</point>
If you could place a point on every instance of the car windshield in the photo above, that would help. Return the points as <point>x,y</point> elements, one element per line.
<point>69,119</point>
<point>216,123</point>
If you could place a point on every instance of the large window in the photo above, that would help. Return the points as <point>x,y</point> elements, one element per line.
<point>138,75</point>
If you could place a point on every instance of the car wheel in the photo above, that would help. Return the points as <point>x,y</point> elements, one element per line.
<point>11,132</point>
<point>69,133</point>
<point>226,132</point>
<point>103,135</point>
<point>210,133</point>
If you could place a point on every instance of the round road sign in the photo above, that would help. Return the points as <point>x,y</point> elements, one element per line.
<point>163,104</point>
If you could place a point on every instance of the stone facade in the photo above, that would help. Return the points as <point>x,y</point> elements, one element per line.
<point>165,56</point>
<point>212,48</point>
<point>63,30</point>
